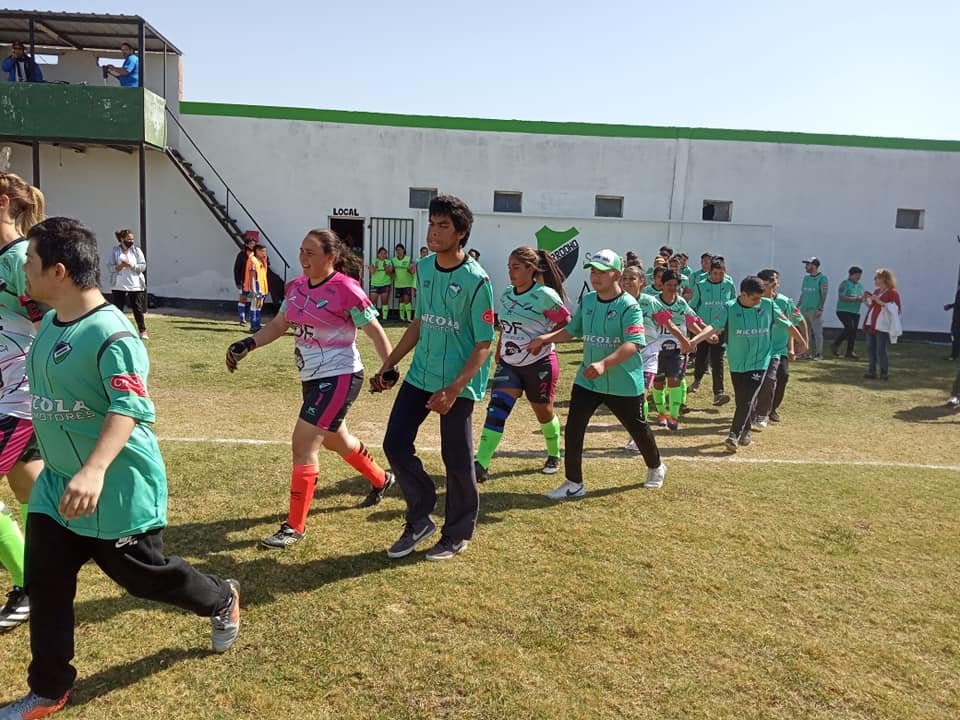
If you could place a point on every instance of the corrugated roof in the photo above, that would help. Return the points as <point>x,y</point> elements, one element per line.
<point>80,31</point>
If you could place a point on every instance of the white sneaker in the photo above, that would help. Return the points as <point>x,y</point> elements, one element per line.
<point>760,424</point>
<point>631,446</point>
<point>655,477</point>
<point>953,402</point>
<point>566,491</point>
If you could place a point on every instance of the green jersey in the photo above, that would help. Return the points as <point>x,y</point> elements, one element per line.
<point>851,289</point>
<point>402,277</point>
<point>749,333</point>
<point>813,292</point>
<point>698,276</point>
<point>708,297</point>
<point>455,310</point>
<point>658,312</point>
<point>79,372</point>
<point>604,326</point>
<point>380,277</point>
<point>780,336</point>
<point>649,289</point>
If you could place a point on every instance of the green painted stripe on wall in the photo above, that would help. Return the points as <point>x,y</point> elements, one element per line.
<point>537,127</point>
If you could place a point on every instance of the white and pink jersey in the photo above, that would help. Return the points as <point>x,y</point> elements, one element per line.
<point>325,318</point>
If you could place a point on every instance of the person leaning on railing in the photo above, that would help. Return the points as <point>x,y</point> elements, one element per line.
<point>127,74</point>
<point>20,67</point>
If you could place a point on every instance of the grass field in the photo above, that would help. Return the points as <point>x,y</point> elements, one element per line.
<point>814,575</point>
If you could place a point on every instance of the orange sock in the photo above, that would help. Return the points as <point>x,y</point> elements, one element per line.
<point>364,463</point>
<point>303,480</point>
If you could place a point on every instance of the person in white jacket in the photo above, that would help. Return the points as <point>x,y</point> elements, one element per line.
<point>882,322</point>
<point>128,285</point>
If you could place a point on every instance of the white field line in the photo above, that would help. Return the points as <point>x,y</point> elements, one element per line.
<point>588,454</point>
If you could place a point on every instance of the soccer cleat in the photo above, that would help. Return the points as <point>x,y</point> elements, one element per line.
<point>551,466</point>
<point>409,539</point>
<point>33,706</point>
<point>694,386</point>
<point>567,491</point>
<point>376,494</point>
<point>481,472</point>
<point>870,375</point>
<point>655,477</point>
<point>953,402</point>
<point>731,444</point>
<point>16,611</point>
<point>746,438</point>
<point>774,416</point>
<point>760,423</point>
<point>225,623</point>
<point>852,356</point>
<point>673,424</point>
<point>721,399</point>
<point>446,549</point>
<point>632,445</point>
<point>284,537</point>
<point>662,420</point>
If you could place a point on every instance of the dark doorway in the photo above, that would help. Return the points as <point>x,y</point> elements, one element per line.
<point>351,232</point>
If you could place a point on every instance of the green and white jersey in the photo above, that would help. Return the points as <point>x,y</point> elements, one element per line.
<point>698,276</point>
<point>17,315</point>
<point>749,333</point>
<point>708,297</point>
<point>380,277</point>
<point>655,322</point>
<point>455,310</point>
<point>813,291</point>
<point>604,326</point>
<point>524,316</point>
<point>780,336</point>
<point>402,277</point>
<point>79,372</point>
<point>649,289</point>
<point>851,289</point>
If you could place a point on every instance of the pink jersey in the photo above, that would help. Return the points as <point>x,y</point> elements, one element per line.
<point>325,318</point>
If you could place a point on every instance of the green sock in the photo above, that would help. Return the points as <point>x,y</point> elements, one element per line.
<point>489,440</point>
<point>646,407</point>
<point>408,311</point>
<point>676,400</point>
<point>24,511</point>
<point>11,546</point>
<point>660,400</point>
<point>551,433</point>
<point>386,312</point>
<point>683,384</point>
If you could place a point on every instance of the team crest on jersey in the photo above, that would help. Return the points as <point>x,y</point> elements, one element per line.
<point>454,288</point>
<point>60,352</point>
<point>611,314</point>
<point>322,303</point>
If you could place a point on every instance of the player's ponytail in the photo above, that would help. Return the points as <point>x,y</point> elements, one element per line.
<point>551,273</point>
<point>27,204</point>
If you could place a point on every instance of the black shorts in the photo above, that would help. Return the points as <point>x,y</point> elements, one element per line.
<point>401,292</point>
<point>538,380</point>
<point>326,400</point>
<point>671,363</point>
<point>380,289</point>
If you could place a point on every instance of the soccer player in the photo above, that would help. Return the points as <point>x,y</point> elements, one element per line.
<point>102,494</point>
<point>240,277</point>
<point>778,372</point>
<point>653,281</point>
<point>611,374</point>
<point>380,271</point>
<point>748,321</point>
<point>848,311</point>
<point>670,313</point>
<point>706,261</point>
<point>324,307</point>
<point>813,296</point>
<point>21,207</point>
<point>403,282</point>
<point>450,337</point>
<point>533,305</point>
<point>709,296</point>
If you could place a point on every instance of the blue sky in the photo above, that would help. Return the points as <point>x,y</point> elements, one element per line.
<point>846,66</point>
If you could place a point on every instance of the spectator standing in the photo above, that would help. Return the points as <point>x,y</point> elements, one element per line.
<point>955,325</point>
<point>813,295</point>
<point>21,67</point>
<point>239,277</point>
<point>850,295</point>
<point>882,322</point>
<point>128,284</point>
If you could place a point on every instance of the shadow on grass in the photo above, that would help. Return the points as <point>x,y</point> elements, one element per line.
<point>928,414</point>
<point>217,328</point>
<point>120,676</point>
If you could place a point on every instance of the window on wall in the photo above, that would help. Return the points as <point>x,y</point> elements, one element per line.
<point>717,210</point>
<point>47,59</point>
<point>420,197</point>
<point>504,201</point>
<point>909,219</point>
<point>608,206</point>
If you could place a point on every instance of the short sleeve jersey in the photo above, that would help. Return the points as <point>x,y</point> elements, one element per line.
<point>749,333</point>
<point>79,372</point>
<point>402,277</point>
<point>325,318</point>
<point>455,310</point>
<point>132,78</point>
<point>17,315</point>
<point>779,336</point>
<point>849,288</point>
<point>678,312</point>
<point>380,277</point>
<point>708,297</point>
<point>524,316</point>
<point>604,326</point>
<point>698,276</point>
<point>813,289</point>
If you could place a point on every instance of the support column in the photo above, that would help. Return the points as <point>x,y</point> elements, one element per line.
<point>143,198</point>
<point>36,164</point>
